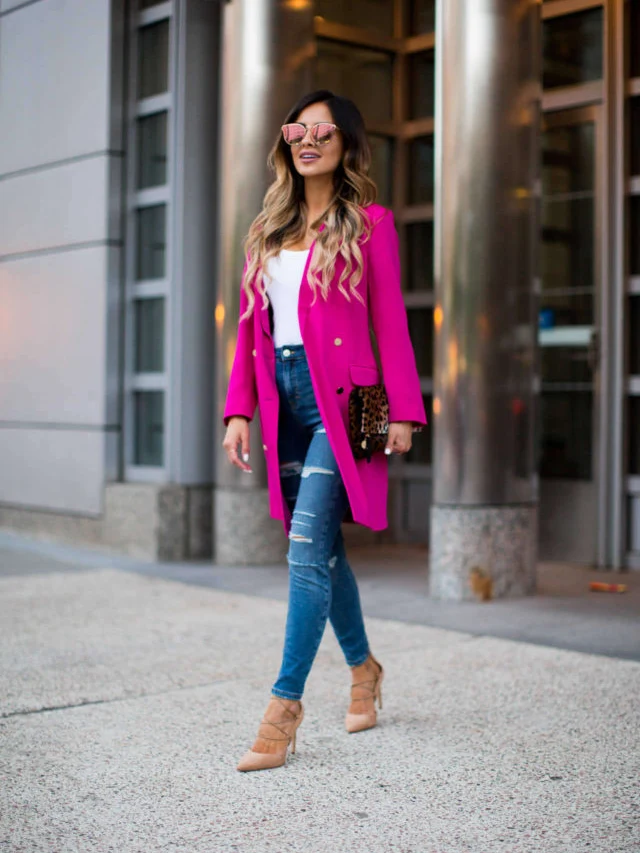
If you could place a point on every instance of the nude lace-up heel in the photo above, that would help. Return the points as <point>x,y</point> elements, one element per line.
<point>360,722</point>
<point>266,760</point>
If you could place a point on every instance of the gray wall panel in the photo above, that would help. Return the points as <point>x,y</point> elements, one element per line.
<point>54,207</point>
<point>54,85</point>
<point>52,469</point>
<point>52,350</point>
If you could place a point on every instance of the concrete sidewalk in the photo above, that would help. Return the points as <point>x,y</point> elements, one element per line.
<point>127,699</point>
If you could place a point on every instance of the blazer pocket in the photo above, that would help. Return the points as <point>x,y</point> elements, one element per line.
<point>361,375</point>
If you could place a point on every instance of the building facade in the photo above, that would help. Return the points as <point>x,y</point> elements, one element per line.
<point>131,161</point>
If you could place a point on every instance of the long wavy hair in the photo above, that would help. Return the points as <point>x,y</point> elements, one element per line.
<point>283,218</point>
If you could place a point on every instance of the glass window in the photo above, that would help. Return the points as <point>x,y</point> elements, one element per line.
<point>634,436</point>
<point>151,241</point>
<point>566,434</point>
<point>419,266</point>
<point>572,49</point>
<point>149,335</point>
<point>568,157</point>
<point>634,236</point>
<point>634,115</point>
<point>634,335</point>
<point>146,4</point>
<point>152,150</point>
<point>567,259</point>
<point>421,84</point>
<point>381,170</point>
<point>153,59</point>
<point>634,32</point>
<point>421,332</point>
<point>421,164</point>
<point>421,441</point>
<point>368,14</point>
<point>149,428</point>
<point>421,15</point>
<point>358,73</point>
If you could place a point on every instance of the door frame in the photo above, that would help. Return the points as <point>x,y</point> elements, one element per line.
<point>603,427</point>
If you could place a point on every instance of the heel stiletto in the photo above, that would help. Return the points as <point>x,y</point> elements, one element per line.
<point>360,722</point>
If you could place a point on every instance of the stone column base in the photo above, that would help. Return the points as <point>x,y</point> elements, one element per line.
<point>244,532</point>
<point>141,520</point>
<point>483,551</point>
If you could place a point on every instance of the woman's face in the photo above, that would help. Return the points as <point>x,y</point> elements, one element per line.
<point>309,159</point>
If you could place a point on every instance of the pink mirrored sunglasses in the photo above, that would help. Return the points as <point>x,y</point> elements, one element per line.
<point>321,133</point>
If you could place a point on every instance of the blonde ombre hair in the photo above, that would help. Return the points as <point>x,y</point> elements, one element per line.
<point>283,218</point>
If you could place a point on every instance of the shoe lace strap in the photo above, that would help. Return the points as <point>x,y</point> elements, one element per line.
<point>287,736</point>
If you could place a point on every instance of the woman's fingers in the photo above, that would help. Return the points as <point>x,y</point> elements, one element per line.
<point>399,438</point>
<point>237,435</point>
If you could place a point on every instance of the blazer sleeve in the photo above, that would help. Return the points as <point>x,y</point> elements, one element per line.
<point>242,395</point>
<point>390,325</point>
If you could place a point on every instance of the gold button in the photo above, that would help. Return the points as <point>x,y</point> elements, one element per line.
<point>253,352</point>
<point>338,342</point>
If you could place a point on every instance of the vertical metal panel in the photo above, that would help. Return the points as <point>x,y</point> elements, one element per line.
<point>268,49</point>
<point>197,83</point>
<point>487,115</point>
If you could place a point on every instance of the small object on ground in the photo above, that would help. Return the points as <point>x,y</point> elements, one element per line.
<point>481,583</point>
<point>598,586</point>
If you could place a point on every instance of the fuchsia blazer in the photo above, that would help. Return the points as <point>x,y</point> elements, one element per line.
<point>338,346</point>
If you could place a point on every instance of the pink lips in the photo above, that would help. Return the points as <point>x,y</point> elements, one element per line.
<point>308,157</point>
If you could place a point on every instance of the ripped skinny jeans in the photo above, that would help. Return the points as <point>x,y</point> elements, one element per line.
<point>321,583</point>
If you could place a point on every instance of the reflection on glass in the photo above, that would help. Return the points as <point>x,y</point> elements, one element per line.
<point>634,335</point>
<point>419,267</point>
<point>421,84</point>
<point>634,115</point>
<point>566,443</point>
<point>567,259</point>
<point>151,241</point>
<point>565,364</point>
<point>572,49</point>
<point>421,15</point>
<point>421,441</point>
<point>568,156</point>
<point>634,38</point>
<point>152,150</point>
<point>634,436</point>
<point>153,59</point>
<point>149,335</point>
<point>634,235</point>
<point>381,171</point>
<point>374,15</point>
<point>149,428</point>
<point>361,74</point>
<point>421,332</point>
<point>420,189</point>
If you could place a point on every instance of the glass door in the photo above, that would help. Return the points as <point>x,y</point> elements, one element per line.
<point>569,336</point>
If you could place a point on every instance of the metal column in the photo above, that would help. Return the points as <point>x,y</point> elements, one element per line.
<point>268,51</point>
<point>486,235</point>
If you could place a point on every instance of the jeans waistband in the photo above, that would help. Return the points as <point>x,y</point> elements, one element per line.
<point>293,352</point>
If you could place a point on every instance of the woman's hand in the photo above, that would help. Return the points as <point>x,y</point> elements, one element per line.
<point>237,434</point>
<point>399,437</point>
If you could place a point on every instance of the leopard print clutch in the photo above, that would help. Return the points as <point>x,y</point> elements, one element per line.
<point>368,420</point>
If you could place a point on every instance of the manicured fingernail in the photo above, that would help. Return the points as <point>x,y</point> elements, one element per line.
<point>387,450</point>
<point>245,457</point>
<point>247,470</point>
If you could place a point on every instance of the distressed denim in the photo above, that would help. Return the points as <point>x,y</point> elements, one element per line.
<point>321,583</point>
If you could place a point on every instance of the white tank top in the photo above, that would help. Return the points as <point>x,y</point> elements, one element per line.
<point>283,280</point>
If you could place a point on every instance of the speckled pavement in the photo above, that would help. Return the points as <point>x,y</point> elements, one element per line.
<point>127,700</point>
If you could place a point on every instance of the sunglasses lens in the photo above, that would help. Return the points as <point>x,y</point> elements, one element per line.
<point>293,133</point>
<point>323,132</point>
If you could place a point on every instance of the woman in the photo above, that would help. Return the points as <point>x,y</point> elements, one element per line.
<point>322,261</point>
